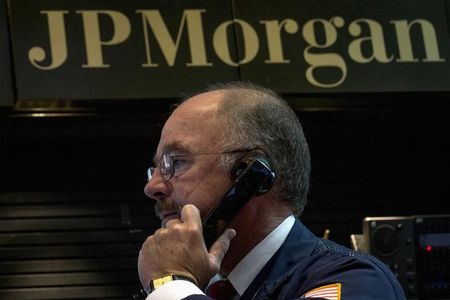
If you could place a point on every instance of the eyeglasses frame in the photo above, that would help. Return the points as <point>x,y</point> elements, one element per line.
<point>151,170</point>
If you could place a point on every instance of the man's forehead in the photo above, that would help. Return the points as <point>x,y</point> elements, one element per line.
<point>193,126</point>
<point>196,110</point>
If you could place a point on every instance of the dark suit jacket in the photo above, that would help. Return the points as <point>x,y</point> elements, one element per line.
<point>305,262</point>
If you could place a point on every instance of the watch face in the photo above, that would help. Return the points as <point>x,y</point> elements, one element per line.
<point>156,283</point>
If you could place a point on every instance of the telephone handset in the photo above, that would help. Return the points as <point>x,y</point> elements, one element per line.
<point>253,176</point>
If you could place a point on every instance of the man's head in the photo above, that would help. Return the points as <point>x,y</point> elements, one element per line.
<point>225,118</point>
<point>253,117</point>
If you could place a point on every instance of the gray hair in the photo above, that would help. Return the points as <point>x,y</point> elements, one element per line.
<point>254,117</point>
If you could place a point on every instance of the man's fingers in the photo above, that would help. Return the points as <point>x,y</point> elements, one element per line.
<point>191,215</point>
<point>172,222</point>
<point>220,246</point>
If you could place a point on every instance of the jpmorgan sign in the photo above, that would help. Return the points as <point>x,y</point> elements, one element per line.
<point>191,24</point>
<point>118,49</point>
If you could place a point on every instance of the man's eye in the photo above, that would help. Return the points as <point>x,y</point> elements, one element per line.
<point>177,163</point>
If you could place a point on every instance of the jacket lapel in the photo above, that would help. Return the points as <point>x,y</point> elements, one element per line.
<point>298,245</point>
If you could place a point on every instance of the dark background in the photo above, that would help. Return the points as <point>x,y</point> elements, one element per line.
<point>72,209</point>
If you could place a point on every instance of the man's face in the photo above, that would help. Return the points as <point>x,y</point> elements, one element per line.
<point>198,179</point>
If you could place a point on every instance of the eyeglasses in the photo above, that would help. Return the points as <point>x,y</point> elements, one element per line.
<point>167,163</point>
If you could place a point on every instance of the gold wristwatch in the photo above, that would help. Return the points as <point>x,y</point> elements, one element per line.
<point>157,282</point>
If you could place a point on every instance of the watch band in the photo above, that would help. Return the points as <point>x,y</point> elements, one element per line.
<point>157,282</point>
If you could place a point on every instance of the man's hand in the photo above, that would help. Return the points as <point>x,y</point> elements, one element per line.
<point>180,249</point>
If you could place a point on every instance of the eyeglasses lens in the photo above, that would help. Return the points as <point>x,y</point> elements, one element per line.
<point>150,173</point>
<point>166,166</point>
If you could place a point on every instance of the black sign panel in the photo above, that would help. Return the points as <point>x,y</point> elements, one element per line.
<point>117,49</point>
<point>6,93</point>
<point>346,45</point>
<point>124,49</point>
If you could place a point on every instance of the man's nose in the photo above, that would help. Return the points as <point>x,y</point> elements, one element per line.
<point>157,188</point>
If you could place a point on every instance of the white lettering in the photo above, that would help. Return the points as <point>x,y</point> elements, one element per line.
<point>323,60</point>
<point>92,37</point>
<point>57,38</point>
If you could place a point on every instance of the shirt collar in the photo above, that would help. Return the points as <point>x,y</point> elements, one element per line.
<point>246,270</point>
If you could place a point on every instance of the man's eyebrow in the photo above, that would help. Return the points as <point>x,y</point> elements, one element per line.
<point>176,147</point>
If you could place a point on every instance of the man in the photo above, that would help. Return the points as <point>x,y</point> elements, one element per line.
<point>266,253</point>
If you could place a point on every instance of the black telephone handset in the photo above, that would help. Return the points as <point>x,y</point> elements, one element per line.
<point>254,176</point>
